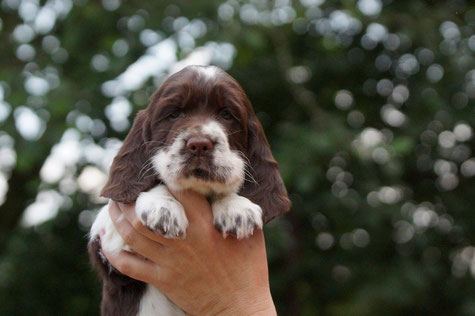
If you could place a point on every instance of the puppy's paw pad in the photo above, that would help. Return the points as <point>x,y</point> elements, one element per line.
<point>237,217</point>
<point>162,215</point>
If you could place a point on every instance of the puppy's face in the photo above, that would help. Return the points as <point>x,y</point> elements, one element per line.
<point>199,132</point>
<point>200,129</point>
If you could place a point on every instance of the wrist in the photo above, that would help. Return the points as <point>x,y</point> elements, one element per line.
<point>252,303</point>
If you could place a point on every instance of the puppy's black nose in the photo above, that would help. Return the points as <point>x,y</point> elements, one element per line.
<point>199,146</point>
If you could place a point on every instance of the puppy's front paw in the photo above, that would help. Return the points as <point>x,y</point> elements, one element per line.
<point>160,212</point>
<point>237,216</point>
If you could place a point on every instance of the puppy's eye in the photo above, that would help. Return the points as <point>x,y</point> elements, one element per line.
<point>176,114</point>
<point>226,114</point>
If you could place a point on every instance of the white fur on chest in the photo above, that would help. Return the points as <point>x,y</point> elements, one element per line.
<point>153,303</point>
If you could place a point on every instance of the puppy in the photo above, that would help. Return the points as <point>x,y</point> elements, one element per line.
<point>199,132</point>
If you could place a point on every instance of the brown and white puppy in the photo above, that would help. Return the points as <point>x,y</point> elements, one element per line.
<point>199,132</point>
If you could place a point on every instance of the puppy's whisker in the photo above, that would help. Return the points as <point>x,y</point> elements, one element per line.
<point>234,132</point>
<point>251,177</point>
<point>246,180</point>
<point>250,167</point>
<point>155,141</point>
<point>247,163</point>
<point>252,180</point>
<point>150,175</point>
<point>143,175</point>
<point>145,165</point>
<point>166,130</point>
<point>240,153</point>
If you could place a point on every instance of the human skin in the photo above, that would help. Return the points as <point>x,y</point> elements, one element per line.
<point>204,273</point>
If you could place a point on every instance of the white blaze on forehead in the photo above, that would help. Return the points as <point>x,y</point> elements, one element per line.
<point>214,130</point>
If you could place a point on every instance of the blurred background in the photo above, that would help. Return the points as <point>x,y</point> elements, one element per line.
<point>368,106</point>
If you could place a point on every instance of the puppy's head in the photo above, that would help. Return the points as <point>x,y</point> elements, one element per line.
<point>199,132</point>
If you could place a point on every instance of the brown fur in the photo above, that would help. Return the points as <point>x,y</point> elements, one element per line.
<point>130,174</point>
<point>201,98</point>
<point>120,294</point>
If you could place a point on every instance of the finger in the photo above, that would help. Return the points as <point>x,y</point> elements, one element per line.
<point>138,242</point>
<point>129,212</point>
<point>132,265</point>
<point>196,206</point>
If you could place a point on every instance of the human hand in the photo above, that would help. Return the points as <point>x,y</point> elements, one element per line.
<point>204,273</point>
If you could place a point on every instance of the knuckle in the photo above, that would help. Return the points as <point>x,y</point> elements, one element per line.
<point>209,232</point>
<point>208,228</point>
<point>165,280</point>
<point>123,267</point>
<point>137,224</point>
<point>129,236</point>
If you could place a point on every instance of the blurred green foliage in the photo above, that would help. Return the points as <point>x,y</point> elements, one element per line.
<point>368,106</point>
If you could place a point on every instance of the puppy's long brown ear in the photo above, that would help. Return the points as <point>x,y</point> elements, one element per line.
<point>128,176</point>
<point>269,192</point>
